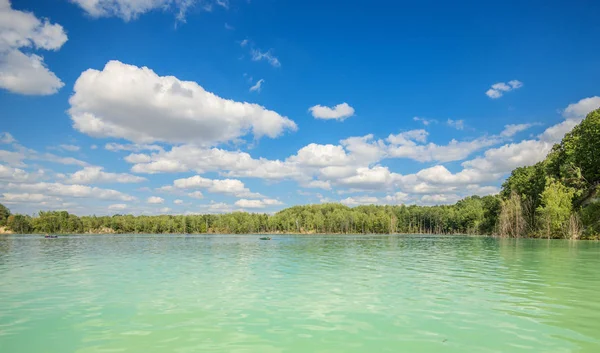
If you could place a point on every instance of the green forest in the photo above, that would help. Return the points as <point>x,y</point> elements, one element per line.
<point>556,198</point>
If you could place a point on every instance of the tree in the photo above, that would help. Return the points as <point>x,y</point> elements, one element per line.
<point>555,209</point>
<point>19,223</point>
<point>4,213</point>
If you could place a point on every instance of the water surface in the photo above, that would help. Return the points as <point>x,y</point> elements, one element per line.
<point>133,293</point>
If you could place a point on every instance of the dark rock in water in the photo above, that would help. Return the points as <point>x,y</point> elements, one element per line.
<point>265,238</point>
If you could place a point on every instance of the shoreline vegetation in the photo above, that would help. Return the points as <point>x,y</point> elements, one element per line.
<point>558,198</point>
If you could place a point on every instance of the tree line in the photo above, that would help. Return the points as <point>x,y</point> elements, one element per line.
<point>473,215</point>
<point>556,198</point>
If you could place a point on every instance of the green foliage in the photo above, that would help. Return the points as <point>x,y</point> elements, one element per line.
<point>473,215</point>
<point>580,149</point>
<point>555,209</point>
<point>19,223</point>
<point>590,216</point>
<point>4,213</point>
<point>553,191</point>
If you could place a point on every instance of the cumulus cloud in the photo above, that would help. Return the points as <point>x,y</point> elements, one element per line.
<point>196,195</point>
<point>360,200</point>
<point>10,198</point>
<point>17,175</point>
<point>178,202</point>
<point>513,129</point>
<point>405,145</point>
<point>498,89</point>
<point>231,187</point>
<point>117,206</point>
<point>155,200</point>
<point>94,175</point>
<point>26,73</point>
<point>578,111</point>
<point>245,203</point>
<point>126,101</point>
<point>439,199</point>
<point>76,191</point>
<point>315,155</point>
<point>339,112</point>
<point>117,147</point>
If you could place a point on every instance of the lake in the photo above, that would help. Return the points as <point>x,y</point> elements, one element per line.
<point>231,293</point>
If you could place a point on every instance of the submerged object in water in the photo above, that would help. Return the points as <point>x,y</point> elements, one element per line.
<point>50,236</point>
<point>265,238</point>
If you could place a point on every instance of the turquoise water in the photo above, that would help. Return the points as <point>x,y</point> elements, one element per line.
<point>135,293</point>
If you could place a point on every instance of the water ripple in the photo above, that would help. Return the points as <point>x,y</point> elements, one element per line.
<point>133,293</point>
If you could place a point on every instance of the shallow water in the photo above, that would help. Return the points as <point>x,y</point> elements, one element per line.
<point>133,293</point>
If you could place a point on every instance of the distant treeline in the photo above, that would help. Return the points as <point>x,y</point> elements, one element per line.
<point>556,198</point>
<point>473,215</point>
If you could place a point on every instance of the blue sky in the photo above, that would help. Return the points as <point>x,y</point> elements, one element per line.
<point>208,106</point>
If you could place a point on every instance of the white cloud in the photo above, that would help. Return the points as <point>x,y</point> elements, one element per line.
<point>178,202</point>
<point>257,87</point>
<point>77,191</point>
<point>397,198</point>
<point>229,27</point>
<point>578,111</point>
<point>315,155</point>
<point>425,121</point>
<point>498,89</point>
<point>457,124</point>
<point>49,157</point>
<point>117,147</point>
<point>94,175</point>
<point>65,147</point>
<point>365,178</point>
<point>513,129</point>
<point>12,158</point>
<point>94,147</point>
<point>339,112</point>
<point>245,203</point>
<point>360,200</point>
<point>7,138</point>
<point>403,147</point>
<point>10,174</point>
<point>196,195</point>
<point>27,198</point>
<point>125,101</point>
<point>439,199</point>
<point>26,73</point>
<point>129,10</point>
<point>232,187</point>
<point>138,158</point>
<point>440,175</point>
<point>117,206</point>
<point>258,55</point>
<point>244,42</point>
<point>16,158</point>
<point>155,200</point>
<point>510,156</point>
<point>319,184</point>
<point>408,137</point>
